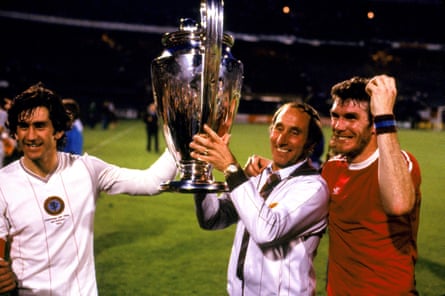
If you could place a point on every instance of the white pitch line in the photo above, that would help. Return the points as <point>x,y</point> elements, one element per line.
<point>111,139</point>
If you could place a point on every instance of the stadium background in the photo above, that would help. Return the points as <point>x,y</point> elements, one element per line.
<point>101,50</point>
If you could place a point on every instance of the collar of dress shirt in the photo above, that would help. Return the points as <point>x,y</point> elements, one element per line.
<point>284,173</point>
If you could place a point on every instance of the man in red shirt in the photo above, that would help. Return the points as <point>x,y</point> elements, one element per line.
<point>375,194</point>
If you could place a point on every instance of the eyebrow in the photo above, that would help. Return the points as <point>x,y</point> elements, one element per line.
<point>38,122</point>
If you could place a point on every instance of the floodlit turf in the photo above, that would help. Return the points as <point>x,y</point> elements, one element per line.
<point>154,246</point>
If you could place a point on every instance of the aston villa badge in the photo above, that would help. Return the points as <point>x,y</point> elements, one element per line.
<point>54,205</point>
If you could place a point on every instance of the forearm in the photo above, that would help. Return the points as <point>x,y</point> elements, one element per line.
<point>297,209</point>
<point>7,277</point>
<point>395,182</point>
<point>116,180</point>
<point>213,212</point>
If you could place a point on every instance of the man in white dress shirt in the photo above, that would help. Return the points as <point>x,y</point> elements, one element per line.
<point>48,200</point>
<point>277,235</point>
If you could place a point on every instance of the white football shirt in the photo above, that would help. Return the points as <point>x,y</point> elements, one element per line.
<point>50,221</point>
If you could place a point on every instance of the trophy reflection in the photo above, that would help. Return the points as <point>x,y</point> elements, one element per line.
<point>196,81</point>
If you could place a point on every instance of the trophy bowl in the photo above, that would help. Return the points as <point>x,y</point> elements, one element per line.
<point>196,81</point>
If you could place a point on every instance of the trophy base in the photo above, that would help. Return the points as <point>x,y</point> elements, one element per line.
<point>187,186</point>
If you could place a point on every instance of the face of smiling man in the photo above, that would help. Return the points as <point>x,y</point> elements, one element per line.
<point>38,140</point>
<point>288,136</point>
<point>354,135</point>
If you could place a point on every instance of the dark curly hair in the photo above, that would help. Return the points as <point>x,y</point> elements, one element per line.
<point>353,89</point>
<point>37,95</point>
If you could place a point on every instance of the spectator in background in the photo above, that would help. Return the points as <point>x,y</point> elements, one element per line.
<point>8,146</point>
<point>109,117</point>
<point>150,119</point>
<point>92,115</point>
<point>3,131</point>
<point>74,136</point>
<point>317,154</point>
<point>331,149</point>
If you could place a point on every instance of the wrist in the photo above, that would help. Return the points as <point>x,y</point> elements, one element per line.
<point>234,175</point>
<point>385,123</point>
<point>231,169</point>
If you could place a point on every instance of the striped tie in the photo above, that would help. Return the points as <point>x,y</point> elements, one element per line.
<point>267,188</point>
<point>271,182</point>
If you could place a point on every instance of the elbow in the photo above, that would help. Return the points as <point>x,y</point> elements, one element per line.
<point>205,220</point>
<point>400,206</point>
<point>397,210</point>
<point>266,237</point>
<point>204,226</point>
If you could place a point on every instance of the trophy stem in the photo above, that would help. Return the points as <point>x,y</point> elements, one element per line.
<point>195,176</point>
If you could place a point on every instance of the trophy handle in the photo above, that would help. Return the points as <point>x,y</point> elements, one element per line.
<point>212,24</point>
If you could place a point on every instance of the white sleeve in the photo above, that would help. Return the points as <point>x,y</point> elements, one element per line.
<point>298,207</point>
<point>4,225</point>
<point>214,211</point>
<point>116,180</point>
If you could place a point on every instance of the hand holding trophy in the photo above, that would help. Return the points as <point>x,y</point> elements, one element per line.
<point>196,81</point>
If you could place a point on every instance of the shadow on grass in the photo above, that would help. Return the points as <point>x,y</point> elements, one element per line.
<point>436,268</point>
<point>119,238</point>
<point>113,239</point>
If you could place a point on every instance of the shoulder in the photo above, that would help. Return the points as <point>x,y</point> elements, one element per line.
<point>409,158</point>
<point>6,172</point>
<point>335,161</point>
<point>413,166</point>
<point>69,159</point>
<point>309,190</point>
<point>93,163</point>
<point>303,182</point>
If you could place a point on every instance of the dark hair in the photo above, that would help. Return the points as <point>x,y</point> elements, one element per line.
<point>315,132</point>
<point>38,95</point>
<point>353,89</point>
<point>3,102</point>
<point>72,107</point>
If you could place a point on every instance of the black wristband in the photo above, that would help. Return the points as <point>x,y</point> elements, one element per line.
<point>385,123</point>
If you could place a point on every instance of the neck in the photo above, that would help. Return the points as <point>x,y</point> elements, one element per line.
<point>365,153</point>
<point>41,167</point>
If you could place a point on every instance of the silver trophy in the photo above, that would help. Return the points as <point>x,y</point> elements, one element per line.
<point>196,81</point>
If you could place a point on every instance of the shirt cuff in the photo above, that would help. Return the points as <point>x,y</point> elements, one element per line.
<point>235,179</point>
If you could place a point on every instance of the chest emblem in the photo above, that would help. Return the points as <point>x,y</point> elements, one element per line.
<point>336,190</point>
<point>54,205</point>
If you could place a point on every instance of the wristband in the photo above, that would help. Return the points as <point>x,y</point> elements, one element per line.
<point>385,124</point>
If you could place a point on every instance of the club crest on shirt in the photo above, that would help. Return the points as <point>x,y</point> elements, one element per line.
<point>54,205</point>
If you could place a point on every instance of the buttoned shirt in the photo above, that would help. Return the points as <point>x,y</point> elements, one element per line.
<point>284,232</point>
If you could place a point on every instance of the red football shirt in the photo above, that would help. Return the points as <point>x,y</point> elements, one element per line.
<point>370,253</point>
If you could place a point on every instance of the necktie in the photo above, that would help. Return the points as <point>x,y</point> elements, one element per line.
<point>267,188</point>
<point>271,182</point>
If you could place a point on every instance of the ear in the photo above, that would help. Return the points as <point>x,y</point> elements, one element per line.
<point>58,135</point>
<point>308,149</point>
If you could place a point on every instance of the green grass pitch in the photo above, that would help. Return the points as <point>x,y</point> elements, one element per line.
<point>154,246</point>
